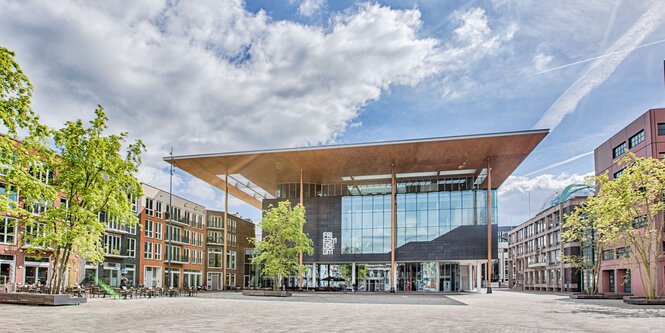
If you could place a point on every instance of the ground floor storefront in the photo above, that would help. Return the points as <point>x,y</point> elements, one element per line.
<point>434,276</point>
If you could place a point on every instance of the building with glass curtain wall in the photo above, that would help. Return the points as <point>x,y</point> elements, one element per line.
<point>414,213</point>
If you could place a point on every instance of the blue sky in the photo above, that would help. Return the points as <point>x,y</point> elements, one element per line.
<point>215,76</point>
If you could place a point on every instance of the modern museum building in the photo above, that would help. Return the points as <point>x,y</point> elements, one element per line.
<point>412,213</point>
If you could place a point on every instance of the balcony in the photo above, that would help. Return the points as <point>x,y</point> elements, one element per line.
<point>177,259</point>
<point>116,254</point>
<point>181,220</point>
<point>216,226</point>
<point>215,241</point>
<point>178,240</point>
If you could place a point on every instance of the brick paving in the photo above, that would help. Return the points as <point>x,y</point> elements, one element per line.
<point>503,311</point>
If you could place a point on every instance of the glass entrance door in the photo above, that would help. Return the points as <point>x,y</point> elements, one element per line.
<point>449,277</point>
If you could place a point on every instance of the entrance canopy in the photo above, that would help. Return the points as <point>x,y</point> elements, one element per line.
<point>254,175</point>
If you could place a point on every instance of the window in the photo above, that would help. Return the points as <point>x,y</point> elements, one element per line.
<point>158,251</point>
<point>112,244</point>
<point>636,139</point>
<point>608,254</point>
<point>623,252</point>
<point>619,150</point>
<point>661,129</point>
<point>158,209</point>
<point>149,225</point>
<point>131,247</point>
<point>618,174</point>
<point>7,230</point>
<point>640,222</point>
<point>231,259</point>
<point>149,207</point>
<point>147,253</point>
<point>131,229</point>
<point>186,255</point>
<point>187,237</point>
<point>158,230</point>
<point>134,204</point>
<point>214,258</point>
<point>11,193</point>
<point>36,233</point>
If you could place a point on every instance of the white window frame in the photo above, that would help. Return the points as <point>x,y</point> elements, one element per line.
<point>149,207</point>
<point>149,228</point>
<point>158,230</point>
<point>131,247</point>
<point>158,251</point>
<point>8,221</point>
<point>112,242</point>
<point>147,250</point>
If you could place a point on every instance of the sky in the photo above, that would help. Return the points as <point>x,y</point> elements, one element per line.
<point>219,76</point>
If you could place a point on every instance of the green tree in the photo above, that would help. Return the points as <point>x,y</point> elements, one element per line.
<point>579,227</point>
<point>94,177</point>
<point>625,210</point>
<point>282,242</point>
<point>24,155</point>
<point>346,271</point>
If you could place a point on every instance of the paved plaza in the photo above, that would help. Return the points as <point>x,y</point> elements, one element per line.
<point>503,311</point>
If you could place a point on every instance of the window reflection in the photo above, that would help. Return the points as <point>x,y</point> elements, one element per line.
<point>420,217</point>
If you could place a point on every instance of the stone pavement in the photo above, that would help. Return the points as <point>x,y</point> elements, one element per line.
<point>503,311</point>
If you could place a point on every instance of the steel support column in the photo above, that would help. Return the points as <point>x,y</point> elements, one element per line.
<point>226,228</point>
<point>488,271</point>
<point>302,203</point>
<point>393,221</point>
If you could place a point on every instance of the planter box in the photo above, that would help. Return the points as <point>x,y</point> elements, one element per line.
<point>40,299</point>
<point>644,301</point>
<point>587,296</point>
<point>267,293</point>
<point>600,296</point>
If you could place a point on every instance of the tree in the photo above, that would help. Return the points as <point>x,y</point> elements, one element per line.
<point>94,178</point>
<point>283,240</point>
<point>625,210</point>
<point>24,155</point>
<point>579,227</point>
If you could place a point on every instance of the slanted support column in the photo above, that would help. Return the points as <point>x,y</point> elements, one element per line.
<point>301,228</point>
<point>226,229</point>
<point>353,276</point>
<point>489,227</point>
<point>393,223</point>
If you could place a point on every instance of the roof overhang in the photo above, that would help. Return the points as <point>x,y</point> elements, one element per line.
<point>254,175</point>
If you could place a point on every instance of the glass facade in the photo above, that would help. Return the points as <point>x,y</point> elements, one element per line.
<point>420,217</point>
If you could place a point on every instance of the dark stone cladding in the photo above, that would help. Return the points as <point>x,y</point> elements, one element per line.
<point>324,214</point>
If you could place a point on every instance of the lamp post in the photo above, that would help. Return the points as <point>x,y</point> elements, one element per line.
<point>169,281</point>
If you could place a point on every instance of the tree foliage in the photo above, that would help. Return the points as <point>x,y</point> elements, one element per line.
<point>283,240</point>
<point>24,155</point>
<point>625,210</point>
<point>94,176</point>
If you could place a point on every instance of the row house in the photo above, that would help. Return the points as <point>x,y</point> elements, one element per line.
<point>171,245</point>
<point>238,231</point>
<point>22,263</point>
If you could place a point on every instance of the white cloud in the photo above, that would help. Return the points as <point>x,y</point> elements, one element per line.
<point>158,177</point>
<point>548,182</point>
<point>309,7</point>
<point>541,61</point>
<point>522,197</point>
<point>212,76</point>
<point>601,69</point>
<point>198,190</point>
<point>473,41</point>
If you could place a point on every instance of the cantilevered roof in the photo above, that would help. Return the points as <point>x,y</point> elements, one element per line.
<point>254,175</point>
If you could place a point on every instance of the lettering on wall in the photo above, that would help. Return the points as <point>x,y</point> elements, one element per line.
<point>329,243</point>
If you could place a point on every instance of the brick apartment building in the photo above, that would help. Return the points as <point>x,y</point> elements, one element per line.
<point>176,240</point>
<point>239,231</point>
<point>535,250</point>
<point>645,137</point>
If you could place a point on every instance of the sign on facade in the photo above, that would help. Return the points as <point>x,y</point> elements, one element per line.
<point>329,243</point>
